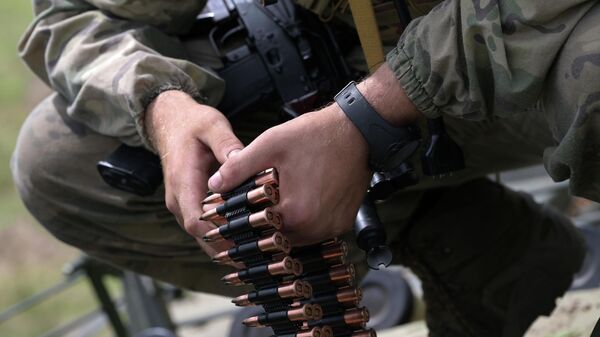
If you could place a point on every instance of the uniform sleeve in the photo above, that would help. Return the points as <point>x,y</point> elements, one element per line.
<point>110,58</point>
<point>476,59</point>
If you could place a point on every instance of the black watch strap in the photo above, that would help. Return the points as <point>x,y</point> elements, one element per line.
<point>389,146</point>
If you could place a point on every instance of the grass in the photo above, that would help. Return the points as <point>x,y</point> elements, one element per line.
<point>15,15</point>
<point>30,259</point>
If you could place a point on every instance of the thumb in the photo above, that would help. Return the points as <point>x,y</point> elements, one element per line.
<point>243,165</point>
<point>222,142</point>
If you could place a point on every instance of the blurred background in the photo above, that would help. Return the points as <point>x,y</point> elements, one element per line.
<point>31,261</point>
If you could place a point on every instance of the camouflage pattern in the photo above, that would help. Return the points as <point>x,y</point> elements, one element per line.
<point>469,59</point>
<point>481,60</point>
<point>517,81</point>
<point>108,59</point>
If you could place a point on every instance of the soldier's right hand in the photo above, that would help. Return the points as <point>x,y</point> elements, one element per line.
<point>192,140</point>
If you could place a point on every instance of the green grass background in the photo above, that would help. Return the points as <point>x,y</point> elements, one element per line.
<point>15,15</point>
<point>30,259</point>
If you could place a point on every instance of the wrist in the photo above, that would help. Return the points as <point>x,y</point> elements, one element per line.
<point>160,114</point>
<point>174,115</point>
<point>385,94</point>
<point>345,133</point>
<point>388,145</point>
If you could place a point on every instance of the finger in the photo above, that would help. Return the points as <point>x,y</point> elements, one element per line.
<point>221,140</point>
<point>190,188</point>
<point>245,164</point>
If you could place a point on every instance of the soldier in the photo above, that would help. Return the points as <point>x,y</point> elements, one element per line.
<point>516,81</point>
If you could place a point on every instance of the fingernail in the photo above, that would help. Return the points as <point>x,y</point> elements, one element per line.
<point>215,181</point>
<point>233,153</point>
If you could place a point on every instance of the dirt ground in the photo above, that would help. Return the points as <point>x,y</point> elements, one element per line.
<point>575,316</point>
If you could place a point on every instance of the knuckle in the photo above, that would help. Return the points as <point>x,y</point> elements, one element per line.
<point>307,218</point>
<point>190,228</point>
<point>273,139</point>
<point>214,118</point>
<point>304,213</point>
<point>226,142</point>
<point>272,133</point>
<point>171,181</point>
<point>172,205</point>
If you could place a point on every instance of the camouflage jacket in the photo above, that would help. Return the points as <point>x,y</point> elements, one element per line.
<point>471,59</point>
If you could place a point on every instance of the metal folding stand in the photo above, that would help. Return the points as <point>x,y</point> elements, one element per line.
<point>96,272</point>
<point>145,308</point>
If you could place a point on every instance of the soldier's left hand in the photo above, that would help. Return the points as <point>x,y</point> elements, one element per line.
<point>322,162</point>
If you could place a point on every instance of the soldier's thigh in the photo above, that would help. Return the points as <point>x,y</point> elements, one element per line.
<point>54,169</point>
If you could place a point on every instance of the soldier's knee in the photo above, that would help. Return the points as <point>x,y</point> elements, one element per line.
<point>36,164</point>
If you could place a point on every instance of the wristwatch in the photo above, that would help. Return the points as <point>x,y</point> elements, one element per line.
<point>389,146</point>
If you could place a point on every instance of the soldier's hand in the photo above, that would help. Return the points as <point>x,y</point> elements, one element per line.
<point>322,162</point>
<point>192,139</point>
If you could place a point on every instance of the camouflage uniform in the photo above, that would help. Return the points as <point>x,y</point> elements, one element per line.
<point>517,81</point>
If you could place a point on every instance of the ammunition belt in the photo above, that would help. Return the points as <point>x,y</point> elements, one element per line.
<point>304,291</point>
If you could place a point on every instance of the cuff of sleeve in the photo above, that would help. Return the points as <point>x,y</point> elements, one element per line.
<point>406,72</point>
<point>148,75</point>
<point>145,100</point>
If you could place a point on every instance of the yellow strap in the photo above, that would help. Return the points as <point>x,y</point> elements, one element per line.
<point>368,32</point>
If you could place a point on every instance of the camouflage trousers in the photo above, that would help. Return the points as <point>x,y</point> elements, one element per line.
<point>491,259</point>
